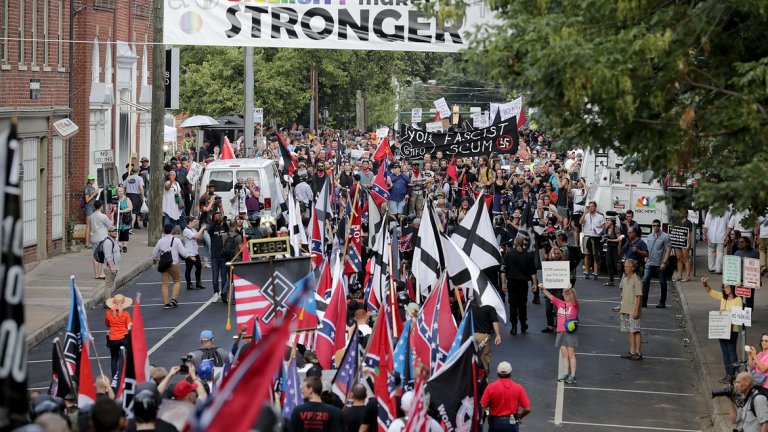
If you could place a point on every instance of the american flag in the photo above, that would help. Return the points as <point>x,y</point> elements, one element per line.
<point>347,371</point>
<point>291,389</point>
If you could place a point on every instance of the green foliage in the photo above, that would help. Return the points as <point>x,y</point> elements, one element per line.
<point>211,80</point>
<point>683,86</point>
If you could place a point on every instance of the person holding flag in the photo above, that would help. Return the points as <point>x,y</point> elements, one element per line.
<point>399,190</point>
<point>118,322</point>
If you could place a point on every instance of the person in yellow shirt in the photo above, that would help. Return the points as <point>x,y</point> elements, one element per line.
<point>728,300</point>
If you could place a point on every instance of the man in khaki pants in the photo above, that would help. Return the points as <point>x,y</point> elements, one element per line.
<point>170,243</point>
<point>111,263</point>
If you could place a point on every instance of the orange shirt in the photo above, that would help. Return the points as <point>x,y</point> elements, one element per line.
<point>117,323</point>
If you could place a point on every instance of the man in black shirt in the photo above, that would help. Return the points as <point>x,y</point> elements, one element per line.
<point>359,417</point>
<point>486,322</point>
<point>217,231</point>
<point>314,415</point>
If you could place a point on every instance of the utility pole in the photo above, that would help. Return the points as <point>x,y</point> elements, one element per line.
<point>313,103</point>
<point>156,173</point>
<point>248,123</point>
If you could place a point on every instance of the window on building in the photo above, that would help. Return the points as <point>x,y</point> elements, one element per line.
<point>46,33</point>
<point>57,196</point>
<point>22,6</point>
<point>33,43</point>
<point>104,4</point>
<point>60,36</point>
<point>4,31</point>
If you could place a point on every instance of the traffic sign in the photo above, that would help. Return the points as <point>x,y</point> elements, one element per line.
<point>743,292</point>
<point>102,157</point>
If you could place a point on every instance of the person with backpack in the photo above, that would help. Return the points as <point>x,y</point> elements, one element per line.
<point>110,262</point>
<point>752,416</point>
<point>100,228</point>
<point>166,255</point>
<point>208,350</point>
<point>217,232</point>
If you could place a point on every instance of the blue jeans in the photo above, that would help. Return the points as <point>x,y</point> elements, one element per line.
<point>219,270</point>
<point>181,221</point>
<point>728,348</point>
<point>651,271</point>
<point>502,425</point>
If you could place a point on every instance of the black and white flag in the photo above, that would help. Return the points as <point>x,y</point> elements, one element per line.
<point>428,261</point>
<point>464,272</point>
<point>453,391</point>
<point>298,236</point>
<point>475,236</point>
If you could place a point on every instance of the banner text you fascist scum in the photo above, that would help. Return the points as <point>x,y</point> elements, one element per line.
<point>387,20</point>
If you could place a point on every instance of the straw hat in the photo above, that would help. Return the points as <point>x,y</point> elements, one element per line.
<point>119,300</point>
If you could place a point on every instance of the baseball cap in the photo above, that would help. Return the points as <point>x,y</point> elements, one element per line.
<point>504,368</point>
<point>144,159</point>
<point>183,388</point>
<point>91,177</point>
<point>183,159</point>
<point>206,335</point>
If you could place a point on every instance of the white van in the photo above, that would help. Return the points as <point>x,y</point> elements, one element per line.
<point>614,188</point>
<point>224,174</point>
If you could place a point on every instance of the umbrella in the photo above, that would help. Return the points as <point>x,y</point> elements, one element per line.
<point>169,134</point>
<point>198,121</point>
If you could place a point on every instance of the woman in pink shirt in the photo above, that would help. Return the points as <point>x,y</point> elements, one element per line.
<point>758,360</point>
<point>567,309</point>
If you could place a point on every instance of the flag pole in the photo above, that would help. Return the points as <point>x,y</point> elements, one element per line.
<point>392,289</point>
<point>349,225</point>
<point>63,362</point>
<point>458,299</point>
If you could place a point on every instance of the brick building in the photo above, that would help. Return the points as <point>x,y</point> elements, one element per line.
<point>106,92</point>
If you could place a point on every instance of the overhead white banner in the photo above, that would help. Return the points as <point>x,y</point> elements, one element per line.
<point>392,25</point>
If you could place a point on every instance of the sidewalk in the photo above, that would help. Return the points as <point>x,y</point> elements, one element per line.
<point>696,307</point>
<point>47,296</point>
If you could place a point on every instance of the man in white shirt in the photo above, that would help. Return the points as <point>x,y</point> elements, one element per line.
<point>170,243</point>
<point>714,234</point>
<point>173,202</point>
<point>592,224</point>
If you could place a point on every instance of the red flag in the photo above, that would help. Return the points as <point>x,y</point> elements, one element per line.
<point>409,286</point>
<point>316,242</point>
<point>246,255</point>
<point>139,344</point>
<point>331,336</point>
<point>451,171</point>
<point>521,118</point>
<point>437,116</point>
<point>384,150</point>
<point>87,390</point>
<point>435,328</point>
<point>379,361</point>
<point>325,284</point>
<point>289,163</point>
<point>226,150</point>
<point>354,262</point>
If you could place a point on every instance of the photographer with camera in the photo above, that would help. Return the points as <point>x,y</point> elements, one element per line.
<point>749,410</point>
<point>237,206</point>
<point>208,204</point>
<point>190,389</point>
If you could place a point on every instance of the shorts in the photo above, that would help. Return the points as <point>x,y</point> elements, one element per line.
<point>123,235</point>
<point>397,207</point>
<point>136,202</point>
<point>565,339</point>
<point>89,210</point>
<point>629,324</point>
<point>576,220</point>
<point>592,247</point>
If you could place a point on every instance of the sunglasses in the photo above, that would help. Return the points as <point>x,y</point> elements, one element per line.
<point>656,225</point>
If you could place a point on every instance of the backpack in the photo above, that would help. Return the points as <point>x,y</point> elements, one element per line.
<point>166,259</point>
<point>98,252</point>
<point>759,391</point>
<point>230,247</point>
<point>82,202</point>
<point>211,353</point>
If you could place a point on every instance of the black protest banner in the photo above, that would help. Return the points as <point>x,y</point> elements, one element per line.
<point>499,138</point>
<point>13,344</point>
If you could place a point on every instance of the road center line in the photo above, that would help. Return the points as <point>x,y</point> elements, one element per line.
<point>180,326</point>
<point>559,394</point>
<point>628,391</point>
<point>632,427</point>
<point>645,356</point>
<point>180,303</point>
<point>616,327</point>
<point>49,360</point>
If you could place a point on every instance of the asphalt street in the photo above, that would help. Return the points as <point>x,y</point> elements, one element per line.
<point>660,393</point>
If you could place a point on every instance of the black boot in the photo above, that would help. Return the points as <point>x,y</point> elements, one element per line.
<point>524,327</point>
<point>513,330</point>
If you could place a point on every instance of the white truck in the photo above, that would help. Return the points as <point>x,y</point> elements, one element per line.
<point>614,188</point>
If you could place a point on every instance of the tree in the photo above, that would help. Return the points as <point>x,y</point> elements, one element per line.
<point>678,87</point>
<point>211,80</point>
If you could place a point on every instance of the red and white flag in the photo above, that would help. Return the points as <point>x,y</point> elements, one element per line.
<point>331,336</point>
<point>384,150</point>
<point>434,329</point>
<point>418,421</point>
<point>226,150</point>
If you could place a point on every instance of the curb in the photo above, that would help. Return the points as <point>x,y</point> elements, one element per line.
<point>717,422</point>
<point>60,321</point>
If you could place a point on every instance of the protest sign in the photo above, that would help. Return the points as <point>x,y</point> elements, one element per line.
<point>415,115</point>
<point>743,292</point>
<point>442,107</point>
<point>511,109</point>
<point>500,138</point>
<point>195,169</point>
<point>556,274</point>
<point>731,270</point>
<point>719,325</point>
<point>434,126</point>
<point>751,272</point>
<point>332,24</point>
<point>741,316</point>
<point>679,236</point>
